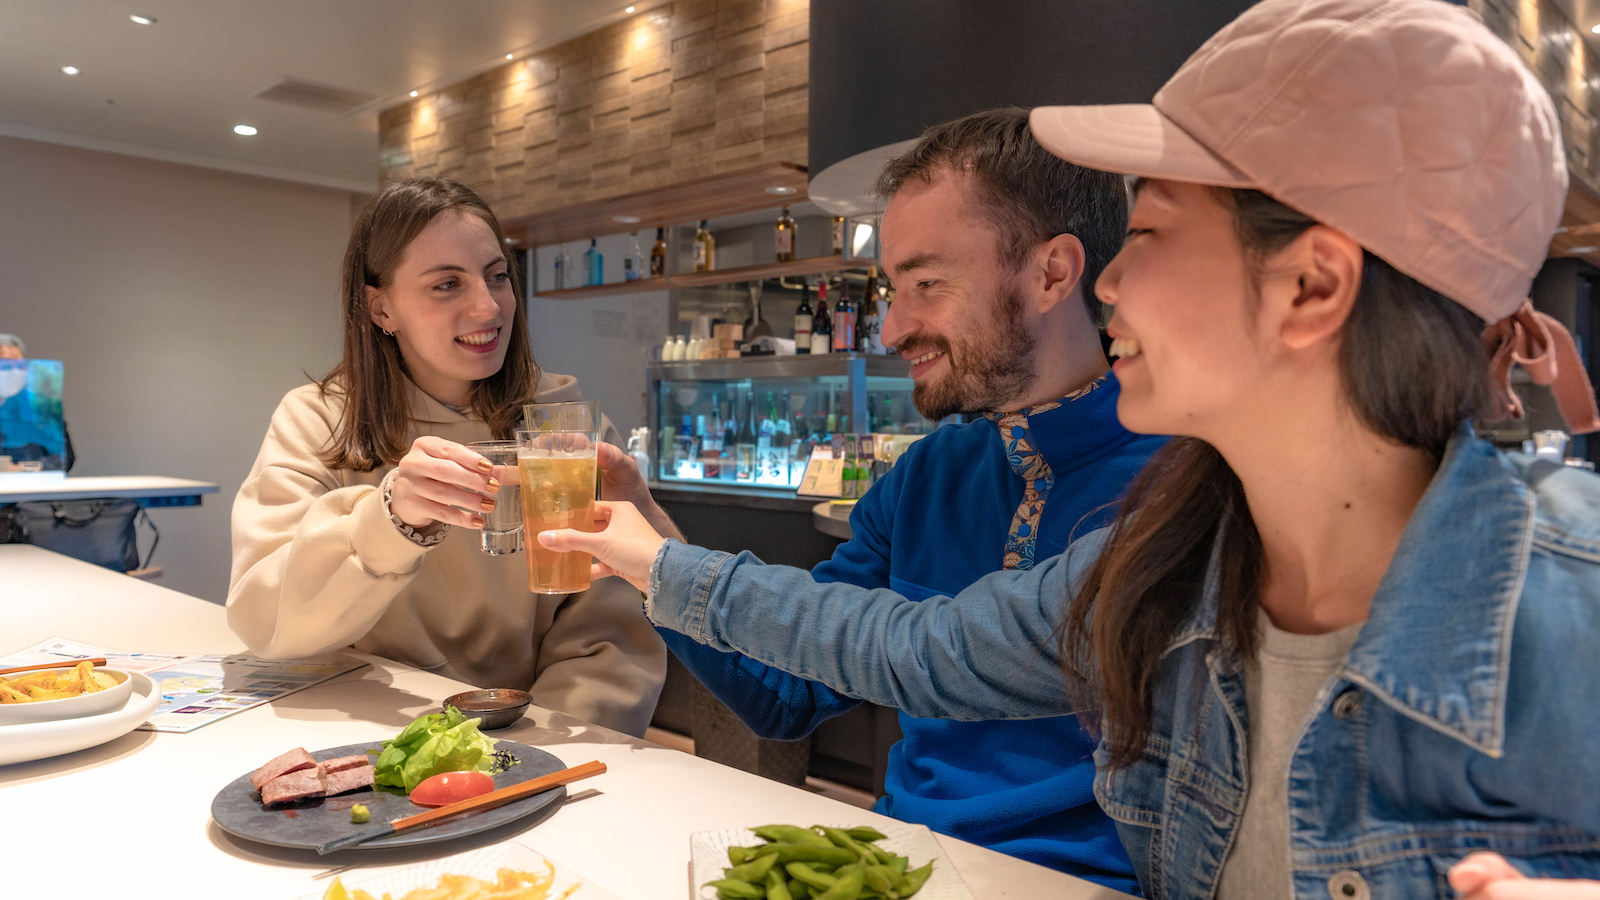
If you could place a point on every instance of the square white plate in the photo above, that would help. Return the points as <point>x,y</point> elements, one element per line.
<point>709,854</point>
<point>484,863</point>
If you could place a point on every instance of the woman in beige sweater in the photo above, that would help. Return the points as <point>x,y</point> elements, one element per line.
<point>342,532</point>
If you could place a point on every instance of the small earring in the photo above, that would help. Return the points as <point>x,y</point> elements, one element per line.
<point>387,332</point>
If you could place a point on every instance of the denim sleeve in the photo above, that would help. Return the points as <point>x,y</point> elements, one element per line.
<point>771,702</point>
<point>991,652</point>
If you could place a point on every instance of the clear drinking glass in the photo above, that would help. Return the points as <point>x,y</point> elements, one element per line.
<point>556,455</point>
<point>502,526</point>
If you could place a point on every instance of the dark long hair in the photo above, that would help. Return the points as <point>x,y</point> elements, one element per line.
<point>374,428</point>
<point>1412,369</point>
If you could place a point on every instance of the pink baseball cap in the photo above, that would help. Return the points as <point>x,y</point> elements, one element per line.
<point>1405,124</point>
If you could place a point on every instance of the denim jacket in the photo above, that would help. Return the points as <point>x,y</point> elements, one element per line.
<point>1466,717</point>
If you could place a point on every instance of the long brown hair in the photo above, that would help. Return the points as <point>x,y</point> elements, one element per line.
<point>1412,370</point>
<point>374,428</point>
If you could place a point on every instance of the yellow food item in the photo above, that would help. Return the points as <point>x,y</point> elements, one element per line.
<point>360,815</point>
<point>509,884</point>
<point>33,686</point>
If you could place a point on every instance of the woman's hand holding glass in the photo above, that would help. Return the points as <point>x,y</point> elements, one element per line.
<point>442,481</point>
<point>625,546</point>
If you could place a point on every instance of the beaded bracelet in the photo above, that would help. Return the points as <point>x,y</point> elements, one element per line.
<point>427,535</point>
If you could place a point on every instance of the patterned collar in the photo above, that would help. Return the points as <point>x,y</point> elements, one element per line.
<point>1029,463</point>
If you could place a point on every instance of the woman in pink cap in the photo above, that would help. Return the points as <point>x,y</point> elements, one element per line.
<point>1337,643</point>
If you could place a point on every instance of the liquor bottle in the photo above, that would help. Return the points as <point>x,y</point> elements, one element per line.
<point>705,249</point>
<point>821,323</point>
<point>730,433</point>
<point>711,447</point>
<point>745,444</point>
<point>631,262</point>
<point>562,267</point>
<point>869,324</point>
<point>838,235</point>
<point>844,321</point>
<point>592,264</point>
<point>802,321</point>
<point>783,239</point>
<point>658,255</point>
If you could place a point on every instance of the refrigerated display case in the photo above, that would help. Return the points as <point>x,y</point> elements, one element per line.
<point>750,423</point>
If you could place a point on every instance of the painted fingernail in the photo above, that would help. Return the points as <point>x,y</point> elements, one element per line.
<point>487,503</point>
<point>477,521</point>
<point>494,484</point>
<point>485,466</point>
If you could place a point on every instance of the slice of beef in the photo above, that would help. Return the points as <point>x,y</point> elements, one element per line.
<point>296,785</point>
<point>340,763</point>
<point>292,761</point>
<point>349,779</point>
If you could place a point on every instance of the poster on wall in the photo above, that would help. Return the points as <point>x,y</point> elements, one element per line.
<point>33,432</point>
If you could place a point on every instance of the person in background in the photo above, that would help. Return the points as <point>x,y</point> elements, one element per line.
<point>991,244</point>
<point>25,431</point>
<point>342,532</point>
<point>1338,645</point>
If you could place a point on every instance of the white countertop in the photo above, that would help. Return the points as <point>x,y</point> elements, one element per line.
<point>131,818</point>
<point>133,486</point>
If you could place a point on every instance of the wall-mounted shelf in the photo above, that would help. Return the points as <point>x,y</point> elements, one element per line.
<point>815,265</point>
<point>608,290</point>
<point>742,190</point>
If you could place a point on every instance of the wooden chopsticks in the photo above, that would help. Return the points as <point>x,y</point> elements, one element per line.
<point>482,801</point>
<point>64,664</point>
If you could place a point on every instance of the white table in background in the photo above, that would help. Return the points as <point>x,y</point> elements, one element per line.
<point>149,490</point>
<point>131,818</point>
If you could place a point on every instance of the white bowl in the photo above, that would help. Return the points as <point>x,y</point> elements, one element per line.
<point>111,698</point>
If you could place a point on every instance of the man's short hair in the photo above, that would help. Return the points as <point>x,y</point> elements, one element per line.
<point>1029,194</point>
<point>11,340</point>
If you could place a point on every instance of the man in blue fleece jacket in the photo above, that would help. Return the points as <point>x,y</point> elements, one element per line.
<point>992,245</point>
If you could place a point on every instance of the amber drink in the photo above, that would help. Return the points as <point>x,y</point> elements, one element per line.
<point>556,462</point>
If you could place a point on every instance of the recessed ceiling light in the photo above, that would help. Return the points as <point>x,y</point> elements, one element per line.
<point>1596,29</point>
<point>780,190</point>
<point>1583,249</point>
<point>509,240</point>
<point>246,130</point>
<point>413,93</point>
<point>629,10</point>
<point>511,56</point>
<point>70,70</point>
<point>143,20</point>
<point>626,220</point>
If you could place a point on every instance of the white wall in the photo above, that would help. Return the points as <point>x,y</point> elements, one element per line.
<point>604,341</point>
<point>184,303</point>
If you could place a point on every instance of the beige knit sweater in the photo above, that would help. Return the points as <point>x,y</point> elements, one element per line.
<point>318,566</point>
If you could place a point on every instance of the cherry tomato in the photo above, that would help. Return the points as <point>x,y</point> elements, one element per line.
<point>449,787</point>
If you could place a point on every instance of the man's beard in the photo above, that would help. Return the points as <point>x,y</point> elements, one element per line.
<point>991,367</point>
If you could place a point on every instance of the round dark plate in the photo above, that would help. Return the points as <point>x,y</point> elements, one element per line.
<point>308,824</point>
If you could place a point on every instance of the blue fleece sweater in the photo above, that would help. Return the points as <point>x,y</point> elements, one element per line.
<point>935,524</point>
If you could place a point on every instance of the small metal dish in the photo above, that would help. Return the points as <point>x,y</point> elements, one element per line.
<point>497,707</point>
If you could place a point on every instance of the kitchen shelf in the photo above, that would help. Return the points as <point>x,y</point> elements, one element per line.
<point>608,290</point>
<point>815,265</point>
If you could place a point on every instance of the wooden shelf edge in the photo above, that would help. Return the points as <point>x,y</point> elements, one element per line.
<point>815,265</point>
<point>608,290</point>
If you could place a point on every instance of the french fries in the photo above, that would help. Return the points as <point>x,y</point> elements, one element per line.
<point>509,885</point>
<point>34,686</point>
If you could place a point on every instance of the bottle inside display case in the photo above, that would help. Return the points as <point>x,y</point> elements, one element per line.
<point>755,422</point>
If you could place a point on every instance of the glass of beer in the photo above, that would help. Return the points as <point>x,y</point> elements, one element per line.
<point>556,456</point>
<point>502,526</point>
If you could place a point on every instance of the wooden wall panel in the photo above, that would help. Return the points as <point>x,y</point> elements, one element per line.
<point>679,92</point>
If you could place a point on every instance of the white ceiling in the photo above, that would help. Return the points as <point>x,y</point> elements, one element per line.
<point>175,89</point>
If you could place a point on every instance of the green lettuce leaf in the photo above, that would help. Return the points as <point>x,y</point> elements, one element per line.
<point>434,743</point>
